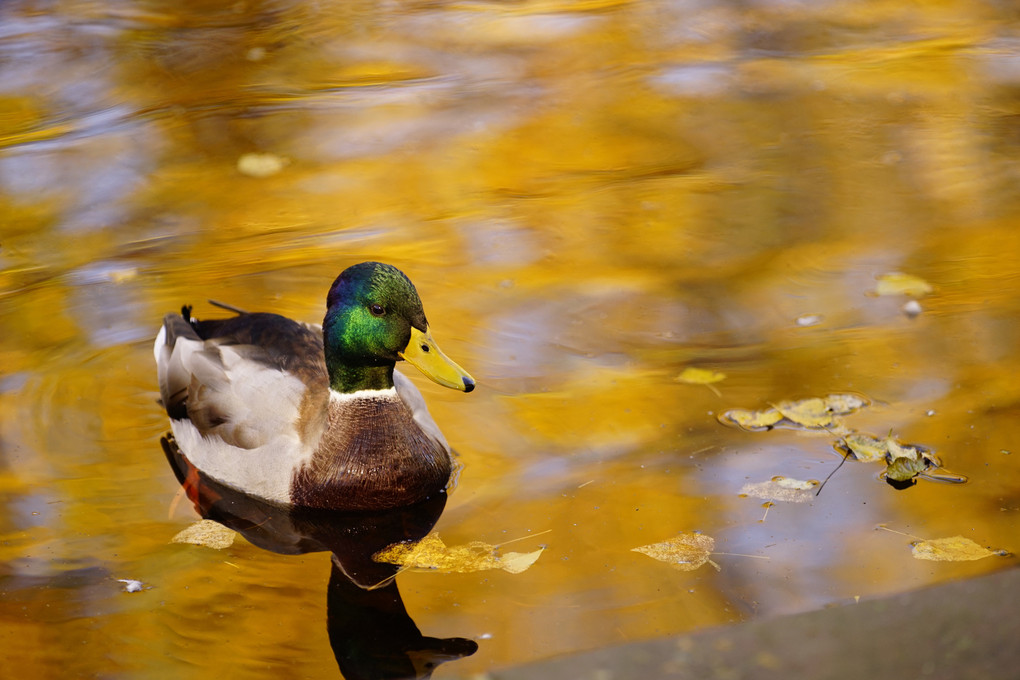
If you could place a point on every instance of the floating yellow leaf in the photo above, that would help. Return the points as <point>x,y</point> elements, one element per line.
<point>897,283</point>
<point>685,552</point>
<point>432,554</point>
<point>701,376</point>
<point>811,413</point>
<point>260,164</point>
<point>781,488</point>
<point>898,450</point>
<point>862,447</point>
<point>206,533</point>
<point>752,421</point>
<point>954,549</point>
<point>844,404</point>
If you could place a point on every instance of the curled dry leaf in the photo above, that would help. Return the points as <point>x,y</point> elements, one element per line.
<point>954,549</point>
<point>904,469</point>
<point>431,554</point>
<point>903,462</point>
<point>206,533</point>
<point>686,552</point>
<point>781,488</point>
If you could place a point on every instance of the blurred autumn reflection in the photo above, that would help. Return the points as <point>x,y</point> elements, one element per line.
<point>592,197</point>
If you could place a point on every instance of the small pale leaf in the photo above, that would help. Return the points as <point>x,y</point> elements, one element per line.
<point>685,552</point>
<point>781,489</point>
<point>844,404</point>
<point>699,376</point>
<point>863,447</point>
<point>206,533</point>
<point>515,562</point>
<point>897,283</point>
<point>954,549</point>
<point>811,413</point>
<point>752,421</point>
<point>898,450</point>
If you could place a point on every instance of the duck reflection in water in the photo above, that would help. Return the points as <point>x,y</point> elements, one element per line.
<point>370,631</point>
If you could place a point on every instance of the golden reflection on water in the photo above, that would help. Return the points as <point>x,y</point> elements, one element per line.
<point>590,197</point>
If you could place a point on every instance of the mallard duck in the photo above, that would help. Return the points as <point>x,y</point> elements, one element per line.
<point>303,415</point>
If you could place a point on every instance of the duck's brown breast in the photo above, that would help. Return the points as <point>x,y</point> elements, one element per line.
<point>371,456</point>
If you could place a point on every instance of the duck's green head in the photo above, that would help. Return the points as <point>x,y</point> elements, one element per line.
<point>374,318</point>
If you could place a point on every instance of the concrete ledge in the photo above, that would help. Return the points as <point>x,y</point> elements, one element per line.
<point>957,631</point>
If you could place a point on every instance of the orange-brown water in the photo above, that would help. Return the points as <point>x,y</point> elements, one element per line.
<point>590,197</point>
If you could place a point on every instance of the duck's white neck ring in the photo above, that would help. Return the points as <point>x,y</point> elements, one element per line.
<point>389,393</point>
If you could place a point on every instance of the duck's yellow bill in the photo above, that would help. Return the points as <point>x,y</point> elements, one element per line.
<point>423,353</point>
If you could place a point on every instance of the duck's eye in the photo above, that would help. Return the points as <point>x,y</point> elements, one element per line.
<point>377,310</point>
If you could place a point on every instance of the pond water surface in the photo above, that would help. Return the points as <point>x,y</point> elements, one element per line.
<point>591,197</point>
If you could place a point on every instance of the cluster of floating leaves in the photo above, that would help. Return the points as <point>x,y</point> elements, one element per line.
<point>904,462</point>
<point>817,413</point>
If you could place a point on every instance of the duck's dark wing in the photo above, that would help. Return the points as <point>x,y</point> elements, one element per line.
<point>245,379</point>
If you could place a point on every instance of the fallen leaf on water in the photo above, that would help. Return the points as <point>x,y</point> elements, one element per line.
<point>844,404</point>
<point>781,488</point>
<point>813,413</point>
<point>431,554</point>
<point>752,421</point>
<point>206,533</point>
<point>862,447</point>
<point>816,413</point>
<point>954,549</point>
<point>903,469</point>
<point>261,165</point>
<point>907,461</point>
<point>685,552</point>
<point>904,462</point>
<point>701,376</point>
<point>898,283</point>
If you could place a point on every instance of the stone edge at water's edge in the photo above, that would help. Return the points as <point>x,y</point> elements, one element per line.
<point>955,631</point>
